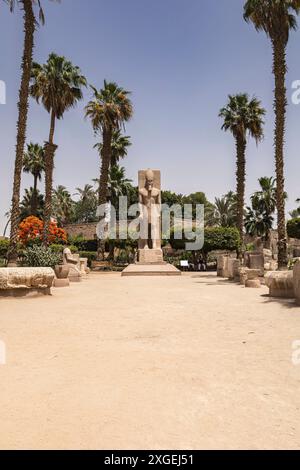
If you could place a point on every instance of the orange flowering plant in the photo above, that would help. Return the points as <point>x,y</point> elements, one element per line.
<point>31,232</point>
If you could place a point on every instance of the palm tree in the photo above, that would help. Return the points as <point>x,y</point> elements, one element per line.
<point>108,111</point>
<point>29,30</point>
<point>118,184</point>
<point>264,200</point>
<point>58,85</point>
<point>296,213</point>
<point>34,163</point>
<point>224,211</point>
<point>243,117</point>
<point>258,223</point>
<point>277,18</point>
<point>63,205</point>
<point>119,147</point>
<point>26,204</point>
<point>259,218</point>
<point>86,206</point>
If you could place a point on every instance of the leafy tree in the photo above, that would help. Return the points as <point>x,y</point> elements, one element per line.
<point>277,18</point>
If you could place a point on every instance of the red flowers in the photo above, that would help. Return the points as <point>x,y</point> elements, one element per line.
<point>31,230</point>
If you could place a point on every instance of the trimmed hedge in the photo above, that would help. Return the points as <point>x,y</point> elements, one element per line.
<point>217,238</point>
<point>90,255</point>
<point>293,228</point>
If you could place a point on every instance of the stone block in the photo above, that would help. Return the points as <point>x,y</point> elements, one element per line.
<point>253,284</point>
<point>233,266</point>
<point>24,281</point>
<point>247,274</point>
<point>296,279</point>
<point>280,284</point>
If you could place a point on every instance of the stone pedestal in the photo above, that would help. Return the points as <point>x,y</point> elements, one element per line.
<point>150,257</point>
<point>150,260</point>
<point>61,283</point>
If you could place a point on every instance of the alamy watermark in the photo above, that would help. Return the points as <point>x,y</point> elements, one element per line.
<point>152,222</point>
<point>2,353</point>
<point>2,92</point>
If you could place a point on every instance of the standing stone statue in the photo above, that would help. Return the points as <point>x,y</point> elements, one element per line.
<point>150,217</point>
<point>150,261</point>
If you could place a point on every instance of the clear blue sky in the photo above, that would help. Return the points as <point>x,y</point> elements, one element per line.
<point>180,59</point>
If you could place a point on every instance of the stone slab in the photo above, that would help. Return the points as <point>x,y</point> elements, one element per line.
<point>23,281</point>
<point>151,270</point>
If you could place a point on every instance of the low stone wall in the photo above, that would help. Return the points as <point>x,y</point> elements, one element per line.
<point>88,231</point>
<point>23,281</point>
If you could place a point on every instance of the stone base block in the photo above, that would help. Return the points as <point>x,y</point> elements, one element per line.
<point>150,257</point>
<point>61,283</point>
<point>75,278</point>
<point>247,274</point>
<point>281,284</point>
<point>151,270</point>
<point>253,284</point>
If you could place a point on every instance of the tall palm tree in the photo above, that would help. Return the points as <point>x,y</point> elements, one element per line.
<point>58,86</point>
<point>277,18</point>
<point>108,111</point>
<point>243,117</point>
<point>119,147</point>
<point>34,163</point>
<point>29,30</point>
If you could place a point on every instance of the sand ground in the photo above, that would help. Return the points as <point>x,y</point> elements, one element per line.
<point>140,363</point>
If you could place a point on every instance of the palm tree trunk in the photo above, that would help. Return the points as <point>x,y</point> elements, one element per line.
<point>240,179</point>
<point>50,149</point>
<point>29,29</point>
<point>34,201</point>
<point>104,175</point>
<point>280,103</point>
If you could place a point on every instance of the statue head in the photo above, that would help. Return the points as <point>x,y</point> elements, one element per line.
<point>149,180</point>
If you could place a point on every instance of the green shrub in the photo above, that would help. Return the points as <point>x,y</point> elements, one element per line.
<point>73,248</point>
<point>41,257</point>
<point>221,238</point>
<point>90,255</point>
<point>293,228</point>
<point>216,238</point>
<point>4,246</point>
<point>57,248</point>
<point>83,244</point>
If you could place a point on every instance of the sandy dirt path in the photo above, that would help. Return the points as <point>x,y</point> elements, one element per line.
<point>150,363</point>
